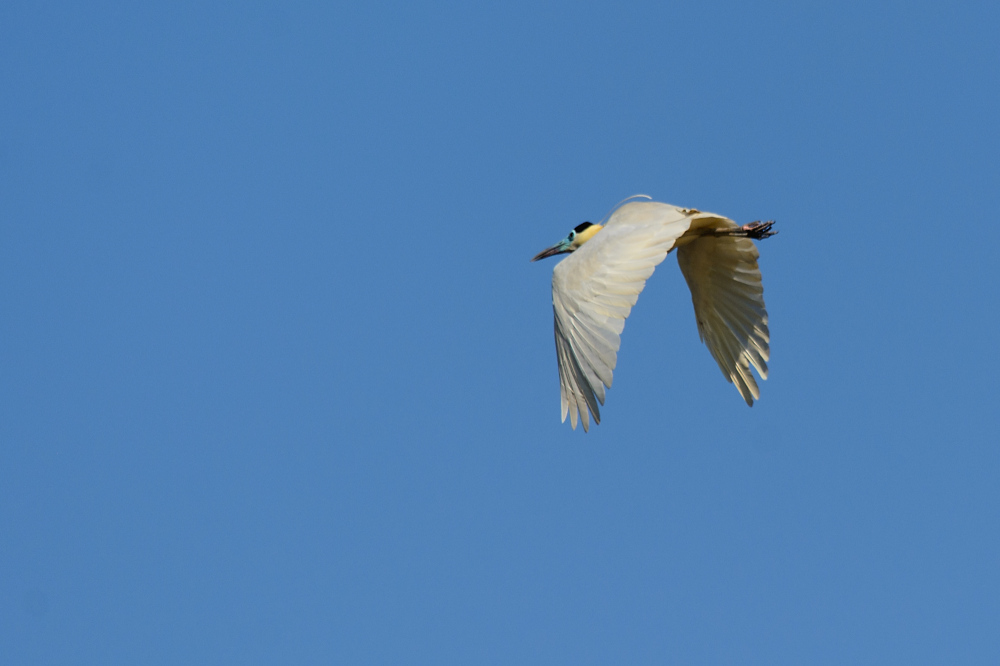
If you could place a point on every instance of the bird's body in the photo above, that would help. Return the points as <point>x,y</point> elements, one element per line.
<point>594,289</point>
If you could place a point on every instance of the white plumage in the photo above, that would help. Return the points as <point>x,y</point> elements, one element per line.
<point>594,289</point>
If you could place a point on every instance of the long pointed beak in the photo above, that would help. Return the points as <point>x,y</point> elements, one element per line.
<point>558,248</point>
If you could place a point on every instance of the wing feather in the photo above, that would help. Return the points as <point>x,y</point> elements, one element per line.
<point>593,292</point>
<point>581,395</point>
<point>728,298</point>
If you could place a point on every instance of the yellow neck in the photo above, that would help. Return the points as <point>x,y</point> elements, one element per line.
<point>586,234</point>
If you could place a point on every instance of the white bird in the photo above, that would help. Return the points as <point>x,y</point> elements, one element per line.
<point>593,292</point>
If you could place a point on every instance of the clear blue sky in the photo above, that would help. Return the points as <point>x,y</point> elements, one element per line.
<point>278,382</point>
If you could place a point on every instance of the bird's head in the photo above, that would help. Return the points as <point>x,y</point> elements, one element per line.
<point>580,235</point>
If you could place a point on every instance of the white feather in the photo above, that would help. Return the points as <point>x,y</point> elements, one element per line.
<point>595,288</point>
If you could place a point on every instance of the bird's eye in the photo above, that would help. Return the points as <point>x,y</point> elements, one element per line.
<point>572,235</point>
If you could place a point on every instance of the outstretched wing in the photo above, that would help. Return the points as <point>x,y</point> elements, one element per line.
<point>593,291</point>
<point>728,297</point>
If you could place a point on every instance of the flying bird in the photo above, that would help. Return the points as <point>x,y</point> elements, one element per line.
<point>594,289</point>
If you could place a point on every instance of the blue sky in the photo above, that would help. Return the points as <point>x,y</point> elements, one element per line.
<point>279,384</point>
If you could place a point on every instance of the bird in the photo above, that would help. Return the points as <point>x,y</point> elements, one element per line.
<point>595,288</point>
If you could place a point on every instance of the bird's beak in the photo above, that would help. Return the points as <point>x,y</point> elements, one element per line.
<point>561,247</point>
